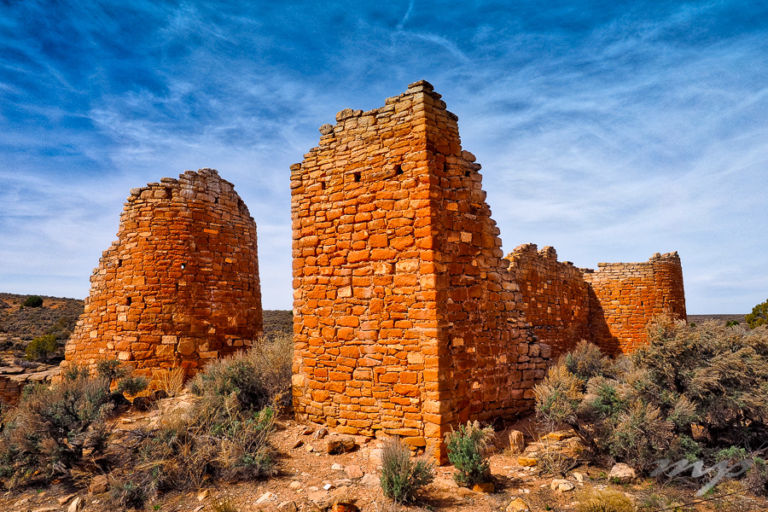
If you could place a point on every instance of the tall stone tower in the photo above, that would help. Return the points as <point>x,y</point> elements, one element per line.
<point>406,318</point>
<point>180,286</point>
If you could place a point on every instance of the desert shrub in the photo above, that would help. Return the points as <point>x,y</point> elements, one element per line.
<point>41,348</point>
<point>756,478</point>
<point>709,378</point>
<point>33,301</point>
<point>258,377</point>
<point>222,437</point>
<point>596,500</point>
<point>132,385</point>
<point>111,369</point>
<point>586,361</point>
<point>127,494</point>
<point>466,448</point>
<point>401,477</point>
<point>46,434</point>
<point>758,316</point>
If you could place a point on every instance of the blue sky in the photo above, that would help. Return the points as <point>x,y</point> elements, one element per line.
<point>610,130</point>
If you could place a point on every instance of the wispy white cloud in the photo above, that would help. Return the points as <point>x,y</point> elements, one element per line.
<point>611,133</point>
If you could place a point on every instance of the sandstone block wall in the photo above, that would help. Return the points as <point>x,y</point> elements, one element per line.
<point>556,298</point>
<point>625,296</point>
<point>406,319</point>
<point>180,286</point>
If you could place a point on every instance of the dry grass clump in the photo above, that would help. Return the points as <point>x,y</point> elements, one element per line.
<point>171,381</point>
<point>596,500</point>
<point>711,379</point>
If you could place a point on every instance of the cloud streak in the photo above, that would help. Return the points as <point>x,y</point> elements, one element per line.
<point>609,132</point>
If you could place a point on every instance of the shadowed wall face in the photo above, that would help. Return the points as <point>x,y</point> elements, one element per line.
<point>180,286</point>
<point>555,297</point>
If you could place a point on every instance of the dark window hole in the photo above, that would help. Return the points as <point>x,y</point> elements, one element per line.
<point>398,170</point>
<point>467,174</point>
<point>322,185</point>
<point>357,177</point>
<point>215,200</point>
<point>119,263</point>
<point>128,301</point>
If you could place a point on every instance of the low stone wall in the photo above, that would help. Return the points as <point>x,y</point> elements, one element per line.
<point>555,297</point>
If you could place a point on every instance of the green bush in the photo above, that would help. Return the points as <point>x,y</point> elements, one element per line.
<point>467,452</point>
<point>710,379</point>
<point>33,301</point>
<point>132,385</point>
<point>259,377</point>
<point>41,348</point>
<point>401,477</point>
<point>111,369</point>
<point>758,316</point>
<point>46,434</point>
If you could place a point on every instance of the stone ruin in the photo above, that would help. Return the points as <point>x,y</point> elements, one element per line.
<point>407,318</point>
<point>179,287</point>
<point>609,307</point>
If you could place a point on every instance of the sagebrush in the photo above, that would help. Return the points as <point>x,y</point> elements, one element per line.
<point>401,477</point>
<point>690,392</point>
<point>225,434</point>
<point>259,377</point>
<point>467,451</point>
<point>47,433</point>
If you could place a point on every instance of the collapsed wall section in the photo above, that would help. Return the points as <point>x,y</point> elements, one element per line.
<point>626,296</point>
<point>179,287</point>
<point>405,317</point>
<point>555,297</point>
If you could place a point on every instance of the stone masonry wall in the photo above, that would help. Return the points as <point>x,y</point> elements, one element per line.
<point>556,299</point>
<point>180,286</point>
<point>488,359</point>
<point>405,317</point>
<point>625,296</point>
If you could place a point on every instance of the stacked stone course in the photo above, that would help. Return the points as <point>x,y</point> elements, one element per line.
<point>180,286</point>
